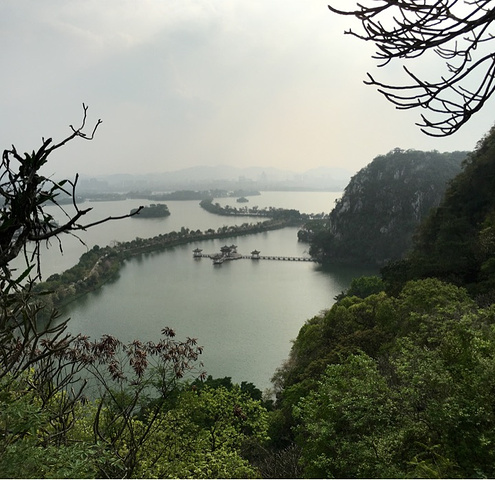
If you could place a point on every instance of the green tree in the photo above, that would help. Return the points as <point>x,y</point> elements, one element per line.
<point>454,243</point>
<point>40,437</point>
<point>204,436</point>
<point>343,424</point>
<point>363,287</point>
<point>418,406</point>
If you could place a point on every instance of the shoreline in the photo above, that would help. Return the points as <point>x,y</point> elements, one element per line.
<point>101,264</point>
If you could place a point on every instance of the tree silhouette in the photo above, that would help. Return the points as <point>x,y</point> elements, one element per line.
<point>458,31</point>
<point>24,193</point>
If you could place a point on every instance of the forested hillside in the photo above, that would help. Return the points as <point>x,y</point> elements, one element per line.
<point>396,379</point>
<point>382,205</point>
<point>457,242</point>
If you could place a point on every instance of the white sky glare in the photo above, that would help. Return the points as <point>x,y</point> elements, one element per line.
<point>180,83</point>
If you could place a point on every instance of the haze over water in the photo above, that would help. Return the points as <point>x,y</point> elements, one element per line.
<point>245,313</point>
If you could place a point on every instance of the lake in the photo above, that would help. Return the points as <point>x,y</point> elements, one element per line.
<point>245,312</point>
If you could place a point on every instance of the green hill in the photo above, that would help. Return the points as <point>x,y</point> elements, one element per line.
<point>457,241</point>
<point>383,204</point>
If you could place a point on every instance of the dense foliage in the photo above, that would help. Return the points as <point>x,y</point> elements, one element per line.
<point>457,242</point>
<point>383,204</point>
<point>196,433</point>
<point>394,386</point>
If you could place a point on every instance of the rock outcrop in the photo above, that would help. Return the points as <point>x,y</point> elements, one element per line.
<point>375,219</point>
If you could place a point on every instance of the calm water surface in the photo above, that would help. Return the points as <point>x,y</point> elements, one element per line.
<point>245,313</point>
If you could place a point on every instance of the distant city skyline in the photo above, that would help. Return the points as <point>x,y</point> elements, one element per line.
<point>182,83</point>
<point>197,178</point>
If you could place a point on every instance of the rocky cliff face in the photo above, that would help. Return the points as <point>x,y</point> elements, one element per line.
<point>382,205</point>
<point>457,241</point>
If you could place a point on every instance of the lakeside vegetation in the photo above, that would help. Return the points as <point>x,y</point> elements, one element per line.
<point>100,264</point>
<point>290,216</point>
<point>178,195</point>
<point>395,380</point>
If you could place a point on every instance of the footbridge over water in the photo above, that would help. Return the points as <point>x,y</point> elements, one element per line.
<point>283,258</point>
<point>230,253</point>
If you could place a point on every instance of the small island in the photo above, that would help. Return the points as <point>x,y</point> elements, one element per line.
<point>242,200</point>
<point>155,210</point>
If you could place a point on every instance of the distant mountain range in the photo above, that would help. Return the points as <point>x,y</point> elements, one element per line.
<point>221,176</point>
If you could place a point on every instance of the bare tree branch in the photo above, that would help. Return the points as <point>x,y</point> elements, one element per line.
<point>455,30</point>
<point>25,193</point>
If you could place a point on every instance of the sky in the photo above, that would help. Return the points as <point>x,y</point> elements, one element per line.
<point>180,83</point>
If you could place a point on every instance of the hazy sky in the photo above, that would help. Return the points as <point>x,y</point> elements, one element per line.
<point>180,83</point>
